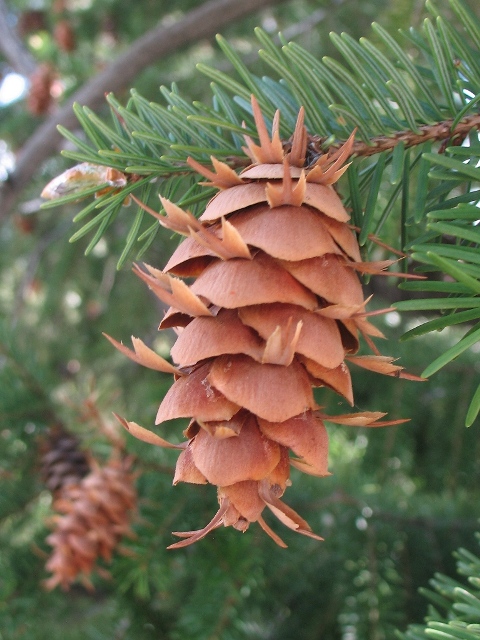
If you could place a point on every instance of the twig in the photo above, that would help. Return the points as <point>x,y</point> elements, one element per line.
<point>434,132</point>
<point>438,131</point>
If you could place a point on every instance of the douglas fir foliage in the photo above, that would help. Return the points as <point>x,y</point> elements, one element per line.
<point>276,308</point>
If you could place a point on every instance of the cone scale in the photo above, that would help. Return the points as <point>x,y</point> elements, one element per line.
<point>275,309</point>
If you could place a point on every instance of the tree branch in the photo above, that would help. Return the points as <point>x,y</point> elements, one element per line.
<point>199,23</point>
<point>12,47</point>
<point>435,132</point>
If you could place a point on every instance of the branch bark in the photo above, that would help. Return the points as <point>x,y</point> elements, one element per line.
<point>435,132</point>
<point>12,47</point>
<point>199,23</point>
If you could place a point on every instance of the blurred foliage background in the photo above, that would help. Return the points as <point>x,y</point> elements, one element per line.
<point>400,500</point>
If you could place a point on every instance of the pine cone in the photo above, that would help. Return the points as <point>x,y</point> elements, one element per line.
<point>275,309</point>
<point>59,7</point>
<point>39,96</point>
<point>62,462</point>
<point>92,518</point>
<point>64,35</point>
<point>30,21</point>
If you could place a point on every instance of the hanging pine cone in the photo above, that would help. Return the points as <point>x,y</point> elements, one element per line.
<point>64,35</point>
<point>92,517</point>
<point>62,461</point>
<point>59,7</point>
<point>30,21</point>
<point>276,308</point>
<point>39,97</point>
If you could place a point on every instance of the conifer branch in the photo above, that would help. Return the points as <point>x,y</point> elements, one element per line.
<point>429,132</point>
<point>30,383</point>
<point>201,22</point>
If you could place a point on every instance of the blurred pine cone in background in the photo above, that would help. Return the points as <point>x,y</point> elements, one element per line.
<point>62,460</point>
<point>92,517</point>
<point>39,98</point>
<point>64,35</point>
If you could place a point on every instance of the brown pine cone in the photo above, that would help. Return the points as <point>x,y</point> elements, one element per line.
<point>92,518</point>
<point>39,97</point>
<point>276,308</point>
<point>31,21</point>
<point>64,35</point>
<point>62,461</point>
